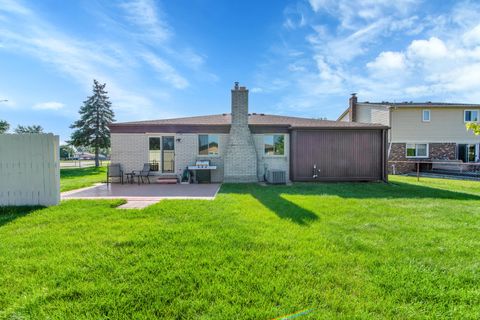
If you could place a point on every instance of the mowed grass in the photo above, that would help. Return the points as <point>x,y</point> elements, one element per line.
<point>405,250</point>
<point>76,178</point>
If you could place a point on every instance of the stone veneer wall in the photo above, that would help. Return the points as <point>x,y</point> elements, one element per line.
<point>436,151</point>
<point>240,155</point>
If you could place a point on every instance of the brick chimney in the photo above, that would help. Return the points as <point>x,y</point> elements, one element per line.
<point>240,162</point>
<point>352,108</point>
<point>239,105</point>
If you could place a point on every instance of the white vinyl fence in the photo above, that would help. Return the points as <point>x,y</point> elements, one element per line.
<point>29,169</point>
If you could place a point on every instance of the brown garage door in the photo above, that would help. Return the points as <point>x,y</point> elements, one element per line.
<point>339,155</point>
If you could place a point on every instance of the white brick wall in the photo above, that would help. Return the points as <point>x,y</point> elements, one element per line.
<point>131,150</point>
<point>186,153</point>
<point>265,162</point>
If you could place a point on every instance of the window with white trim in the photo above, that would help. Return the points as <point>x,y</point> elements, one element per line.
<point>208,144</point>
<point>417,150</point>
<point>274,144</point>
<point>426,115</point>
<point>470,115</point>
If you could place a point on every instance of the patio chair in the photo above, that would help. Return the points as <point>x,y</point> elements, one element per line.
<point>114,170</point>
<point>144,173</point>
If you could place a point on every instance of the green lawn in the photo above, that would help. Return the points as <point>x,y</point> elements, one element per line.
<point>406,250</point>
<point>75,178</point>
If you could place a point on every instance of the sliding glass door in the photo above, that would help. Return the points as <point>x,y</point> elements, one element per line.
<point>168,154</point>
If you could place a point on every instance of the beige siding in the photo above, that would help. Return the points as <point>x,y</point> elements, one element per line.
<point>373,114</point>
<point>271,162</point>
<point>446,125</point>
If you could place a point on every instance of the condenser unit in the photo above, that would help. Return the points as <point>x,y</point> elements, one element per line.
<point>276,177</point>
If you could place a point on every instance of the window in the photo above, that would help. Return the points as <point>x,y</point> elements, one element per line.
<point>274,144</point>
<point>470,115</point>
<point>417,150</point>
<point>467,152</point>
<point>426,115</point>
<point>208,144</point>
<point>154,153</point>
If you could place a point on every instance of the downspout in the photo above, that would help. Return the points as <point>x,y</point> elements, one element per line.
<point>390,137</point>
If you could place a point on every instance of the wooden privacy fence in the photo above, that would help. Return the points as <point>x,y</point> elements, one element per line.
<point>29,169</point>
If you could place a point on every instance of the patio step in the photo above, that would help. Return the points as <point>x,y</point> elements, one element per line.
<point>167,180</point>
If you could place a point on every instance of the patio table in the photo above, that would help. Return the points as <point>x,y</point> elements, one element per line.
<point>131,177</point>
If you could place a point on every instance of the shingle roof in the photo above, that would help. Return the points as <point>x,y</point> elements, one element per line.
<point>254,119</point>
<point>421,104</point>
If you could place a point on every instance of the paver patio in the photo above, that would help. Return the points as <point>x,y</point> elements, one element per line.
<point>140,196</point>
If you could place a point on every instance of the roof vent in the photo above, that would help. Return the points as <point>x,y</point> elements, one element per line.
<point>429,101</point>
<point>262,114</point>
<point>224,114</point>
<point>254,114</point>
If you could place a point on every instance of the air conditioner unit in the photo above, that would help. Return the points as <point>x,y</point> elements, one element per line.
<point>276,177</point>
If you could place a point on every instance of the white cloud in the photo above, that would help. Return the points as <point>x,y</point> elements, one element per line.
<point>144,13</point>
<point>51,105</point>
<point>388,62</point>
<point>472,37</point>
<point>432,48</point>
<point>167,72</point>
<point>111,61</point>
<point>382,50</point>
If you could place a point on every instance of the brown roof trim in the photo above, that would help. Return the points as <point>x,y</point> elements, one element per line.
<point>170,128</point>
<point>373,127</point>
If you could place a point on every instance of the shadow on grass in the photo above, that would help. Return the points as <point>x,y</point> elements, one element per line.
<point>272,196</point>
<point>8,214</point>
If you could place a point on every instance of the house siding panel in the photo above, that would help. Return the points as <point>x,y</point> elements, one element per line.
<point>446,125</point>
<point>339,155</point>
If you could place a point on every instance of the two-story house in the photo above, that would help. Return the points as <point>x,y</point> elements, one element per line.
<point>421,131</point>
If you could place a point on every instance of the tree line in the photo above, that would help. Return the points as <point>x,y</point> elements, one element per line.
<point>5,126</point>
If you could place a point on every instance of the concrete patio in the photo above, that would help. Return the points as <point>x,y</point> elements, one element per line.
<point>141,196</point>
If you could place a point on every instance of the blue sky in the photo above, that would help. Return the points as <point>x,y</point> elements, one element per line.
<point>180,58</point>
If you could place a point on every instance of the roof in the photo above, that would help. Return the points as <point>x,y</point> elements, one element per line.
<point>254,119</point>
<point>412,104</point>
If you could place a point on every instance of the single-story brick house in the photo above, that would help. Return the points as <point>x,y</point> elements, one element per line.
<point>245,147</point>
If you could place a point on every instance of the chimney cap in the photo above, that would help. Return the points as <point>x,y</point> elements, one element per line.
<point>353,94</point>
<point>236,85</point>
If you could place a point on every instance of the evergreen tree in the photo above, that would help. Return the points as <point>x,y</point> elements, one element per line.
<point>4,126</point>
<point>28,129</point>
<point>95,115</point>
